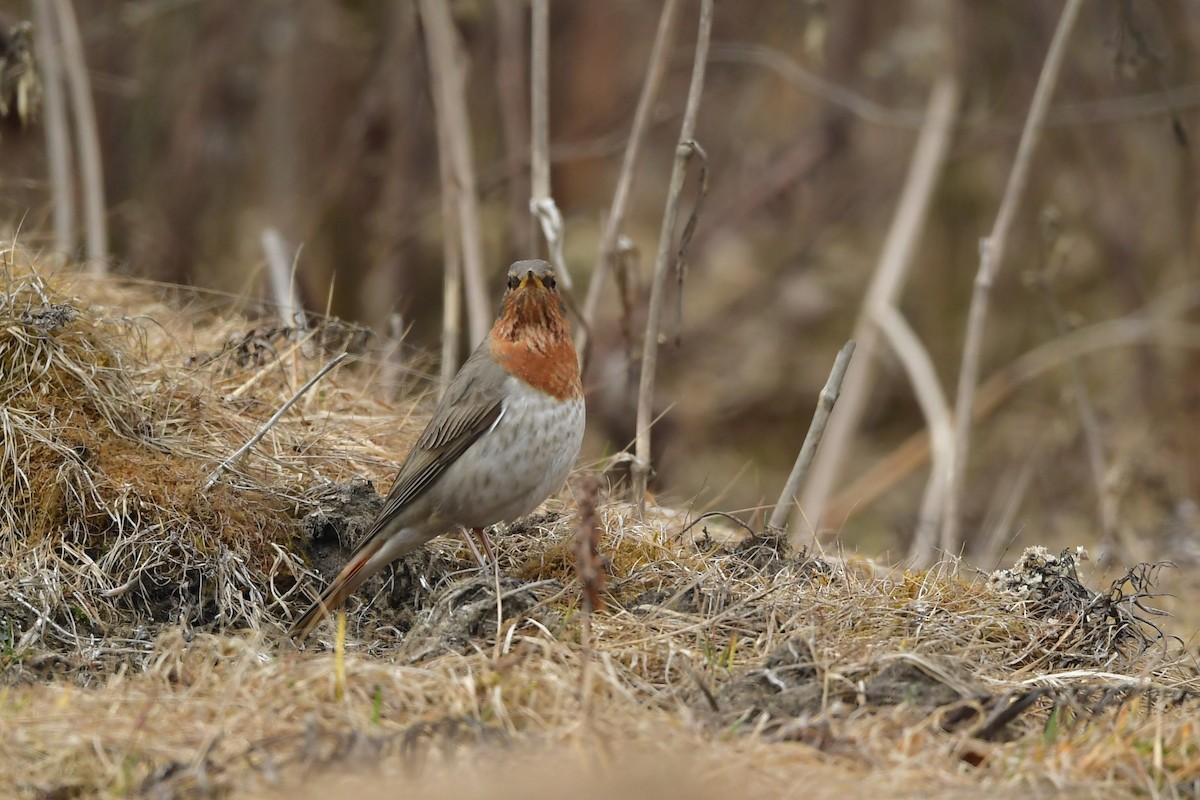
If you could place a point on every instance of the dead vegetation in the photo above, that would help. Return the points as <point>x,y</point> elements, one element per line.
<point>140,614</point>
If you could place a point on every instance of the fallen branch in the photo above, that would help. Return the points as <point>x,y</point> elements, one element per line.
<point>233,459</point>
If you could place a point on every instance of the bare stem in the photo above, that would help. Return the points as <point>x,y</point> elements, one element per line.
<point>541,201</point>
<point>282,274</point>
<point>991,256</point>
<point>452,276</point>
<point>510,88</point>
<point>890,276</point>
<point>812,440</point>
<point>539,99</point>
<point>928,390</point>
<point>87,137</point>
<point>655,72</point>
<point>683,152</point>
<point>448,75</point>
<point>58,146</point>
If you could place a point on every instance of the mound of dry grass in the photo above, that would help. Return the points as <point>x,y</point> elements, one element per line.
<point>116,406</point>
<point>142,650</point>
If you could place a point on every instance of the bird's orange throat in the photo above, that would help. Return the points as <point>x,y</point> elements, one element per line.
<point>532,341</point>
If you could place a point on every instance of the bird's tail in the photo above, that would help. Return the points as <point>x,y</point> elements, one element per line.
<point>376,552</point>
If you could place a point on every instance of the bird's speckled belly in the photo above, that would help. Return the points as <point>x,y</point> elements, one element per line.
<point>500,477</point>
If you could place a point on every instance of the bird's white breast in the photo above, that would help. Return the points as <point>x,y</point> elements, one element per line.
<point>516,465</point>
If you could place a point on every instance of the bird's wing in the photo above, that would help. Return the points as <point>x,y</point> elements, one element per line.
<point>471,406</point>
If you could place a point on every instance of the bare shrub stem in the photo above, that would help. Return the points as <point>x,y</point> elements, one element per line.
<point>57,127</point>
<point>640,467</point>
<point>281,271</point>
<point>991,256</point>
<point>928,390</point>
<point>87,136</point>
<point>655,72</point>
<point>541,201</point>
<point>886,286</point>
<point>812,440</point>
<point>448,73</point>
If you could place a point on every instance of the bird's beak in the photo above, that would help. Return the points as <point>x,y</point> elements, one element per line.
<point>529,276</point>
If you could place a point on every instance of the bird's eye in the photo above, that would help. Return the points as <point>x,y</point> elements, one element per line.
<point>550,283</point>
<point>513,281</point>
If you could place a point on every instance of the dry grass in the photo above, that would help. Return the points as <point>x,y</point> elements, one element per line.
<point>141,616</point>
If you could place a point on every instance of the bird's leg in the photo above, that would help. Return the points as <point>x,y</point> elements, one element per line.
<point>481,535</point>
<point>470,540</point>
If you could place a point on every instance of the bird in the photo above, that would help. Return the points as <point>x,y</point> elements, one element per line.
<point>503,438</point>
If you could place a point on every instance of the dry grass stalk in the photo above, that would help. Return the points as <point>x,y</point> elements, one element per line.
<point>57,127</point>
<point>589,569</point>
<point>640,467</point>
<point>991,257</point>
<point>886,287</point>
<point>812,440</point>
<point>655,71</point>
<point>87,137</point>
<point>448,74</point>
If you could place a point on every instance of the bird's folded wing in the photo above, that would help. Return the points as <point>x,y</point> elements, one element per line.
<point>473,402</point>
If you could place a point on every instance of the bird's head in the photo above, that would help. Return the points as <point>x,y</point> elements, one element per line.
<point>532,302</point>
<point>532,339</point>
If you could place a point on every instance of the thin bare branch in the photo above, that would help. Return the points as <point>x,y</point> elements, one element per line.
<point>281,271</point>
<point>991,257</point>
<point>928,390</point>
<point>886,287</point>
<point>57,127</point>
<point>446,67</point>
<point>640,467</point>
<point>812,440</point>
<point>514,119</point>
<point>541,201</point>
<point>452,276</point>
<point>655,71</point>
<point>87,137</point>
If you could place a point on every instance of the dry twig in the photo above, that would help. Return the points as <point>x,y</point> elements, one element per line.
<point>87,137</point>
<point>57,126</point>
<point>655,71</point>
<point>233,459</point>
<point>991,257</point>
<point>921,373</point>
<point>886,287</point>
<point>684,149</point>
<point>281,271</point>
<point>812,440</point>
<point>446,69</point>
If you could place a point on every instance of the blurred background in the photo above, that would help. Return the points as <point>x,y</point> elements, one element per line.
<point>219,118</point>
